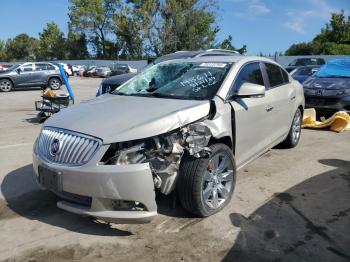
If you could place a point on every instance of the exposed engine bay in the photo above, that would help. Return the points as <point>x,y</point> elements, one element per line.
<point>163,152</point>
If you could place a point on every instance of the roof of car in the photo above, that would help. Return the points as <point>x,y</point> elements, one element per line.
<point>226,59</point>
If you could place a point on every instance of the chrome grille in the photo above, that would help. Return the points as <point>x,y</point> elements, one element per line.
<point>72,149</point>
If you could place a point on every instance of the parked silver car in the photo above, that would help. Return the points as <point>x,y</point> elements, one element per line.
<point>184,125</point>
<point>103,71</point>
<point>40,74</point>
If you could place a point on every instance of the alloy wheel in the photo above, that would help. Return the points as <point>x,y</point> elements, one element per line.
<point>5,86</point>
<point>296,129</point>
<point>54,84</point>
<point>218,181</point>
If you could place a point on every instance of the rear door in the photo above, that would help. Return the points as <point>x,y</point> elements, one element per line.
<point>252,119</point>
<point>282,94</point>
<point>39,73</point>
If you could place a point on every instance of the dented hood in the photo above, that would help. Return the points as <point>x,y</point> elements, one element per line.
<point>116,118</point>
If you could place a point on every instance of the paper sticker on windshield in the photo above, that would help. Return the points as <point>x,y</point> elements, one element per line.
<point>217,65</point>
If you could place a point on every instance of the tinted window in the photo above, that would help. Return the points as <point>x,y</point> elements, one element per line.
<point>27,68</point>
<point>40,67</point>
<point>303,71</point>
<point>250,73</point>
<point>50,67</point>
<point>285,76</point>
<point>275,75</point>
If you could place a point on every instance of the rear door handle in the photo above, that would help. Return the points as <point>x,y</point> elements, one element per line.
<point>269,108</point>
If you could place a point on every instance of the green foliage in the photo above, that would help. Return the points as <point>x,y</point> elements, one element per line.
<point>76,45</point>
<point>127,29</point>
<point>301,49</point>
<point>128,34</point>
<point>227,44</point>
<point>95,18</point>
<point>2,51</point>
<point>334,39</point>
<point>52,43</point>
<point>21,48</point>
<point>187,25</point>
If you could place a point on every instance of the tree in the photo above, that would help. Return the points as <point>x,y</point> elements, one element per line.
<point>128,34</point>
<point>21,48</point>
<point>147,15</point>
<point>334,39</point>
<point>52,43</point>
<point>188,25</point>
<point>301,49</point>
<point>2,51</point>
<point>76,45</point>
<point>94,18</point>
<point>227,44</point>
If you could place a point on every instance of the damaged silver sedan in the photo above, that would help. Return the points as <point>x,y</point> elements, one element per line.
<point>182,126</point>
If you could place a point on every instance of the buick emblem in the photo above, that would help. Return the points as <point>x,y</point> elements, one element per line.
<point>319,92</point>
<point>55,147</point>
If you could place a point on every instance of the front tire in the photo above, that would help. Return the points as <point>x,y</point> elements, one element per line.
<point>54,83</point>
<point>206,185</point>
<point>293,137</point>
<point>5,85</point>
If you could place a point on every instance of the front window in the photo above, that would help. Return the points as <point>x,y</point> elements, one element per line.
<point>178,80</point>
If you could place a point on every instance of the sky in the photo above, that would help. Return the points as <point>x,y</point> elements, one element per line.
<point>266,26</point>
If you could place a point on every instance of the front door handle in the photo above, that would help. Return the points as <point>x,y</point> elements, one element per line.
<point>292,98</point>
<point>269,108</point>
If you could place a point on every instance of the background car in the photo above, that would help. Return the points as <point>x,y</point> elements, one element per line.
<point>103,71</point>
<point>120,69</point>
<point>30,75</point>
<point>329,89</point>
<point>305,62</point>
<point>77,70</point>
<point>4,67</point>
<point>90,71</point>
<point>110,84</point>
<point>304,72</point>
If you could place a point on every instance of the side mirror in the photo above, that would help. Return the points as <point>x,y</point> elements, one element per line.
<point>249,90</point>
<point>18,70</point>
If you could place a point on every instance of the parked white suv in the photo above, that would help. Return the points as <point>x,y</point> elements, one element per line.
<point>186,125</point>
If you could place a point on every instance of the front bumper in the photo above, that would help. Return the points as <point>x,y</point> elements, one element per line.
<point>328,103</point>
<point>103,185</point>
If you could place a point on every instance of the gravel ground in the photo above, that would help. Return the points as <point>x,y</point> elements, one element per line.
<point>288,205</point>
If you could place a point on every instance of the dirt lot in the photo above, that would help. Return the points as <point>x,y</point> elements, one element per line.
<point>288,205</point>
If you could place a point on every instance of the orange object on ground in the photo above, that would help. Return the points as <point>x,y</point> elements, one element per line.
<point>339,122</point>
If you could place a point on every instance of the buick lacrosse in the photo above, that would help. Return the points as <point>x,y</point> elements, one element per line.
<point>183,126</point>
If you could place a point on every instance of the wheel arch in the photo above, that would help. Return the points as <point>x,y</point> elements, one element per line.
<point>224,140</point>
<point>8,78</point>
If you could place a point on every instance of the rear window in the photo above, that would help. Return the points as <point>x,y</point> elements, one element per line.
<point>275,75</point>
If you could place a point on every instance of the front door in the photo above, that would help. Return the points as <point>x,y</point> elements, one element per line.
<point>252,119</point>
<point>25,77</point>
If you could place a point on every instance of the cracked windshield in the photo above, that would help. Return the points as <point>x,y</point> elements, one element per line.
<point>178,80</point>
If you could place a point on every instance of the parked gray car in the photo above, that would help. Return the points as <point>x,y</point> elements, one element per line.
<point>30,75</point>
<point>103,71</point>
<point>183,126</point>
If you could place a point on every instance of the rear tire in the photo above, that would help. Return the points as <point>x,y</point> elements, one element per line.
<point>55,83</point>
<point>206,185</point>
<point>5,85</point>
<point>293,137</point>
